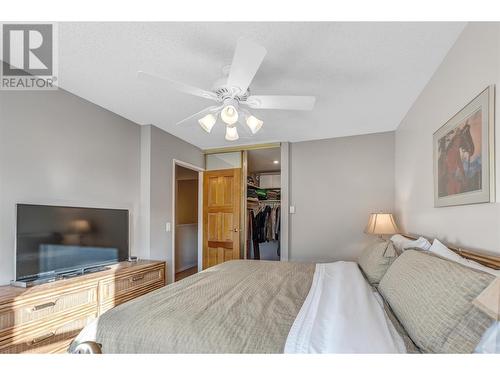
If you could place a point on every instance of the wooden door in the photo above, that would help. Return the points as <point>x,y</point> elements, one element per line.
<point>221,216</point>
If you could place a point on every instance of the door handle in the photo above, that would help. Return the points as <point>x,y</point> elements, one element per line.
<point>235,230</point>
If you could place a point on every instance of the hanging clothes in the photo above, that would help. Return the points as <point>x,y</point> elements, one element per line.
<point>268,223</point>
<point>277,223</point>
<point>252,238</point>
<point>264,221</point>
<point>264,229</point>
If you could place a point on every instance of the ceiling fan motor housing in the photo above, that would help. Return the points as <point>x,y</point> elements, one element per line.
<point>225,93</point>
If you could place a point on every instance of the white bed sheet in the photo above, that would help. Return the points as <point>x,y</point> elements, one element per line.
<point>341,314</point>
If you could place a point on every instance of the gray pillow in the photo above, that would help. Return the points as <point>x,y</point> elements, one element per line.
<point>432,298</point>
<point>376,259</point>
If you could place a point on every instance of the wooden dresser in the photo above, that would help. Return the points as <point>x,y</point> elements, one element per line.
<point>45,318</point>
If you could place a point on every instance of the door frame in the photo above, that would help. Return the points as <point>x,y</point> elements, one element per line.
<point>285,201</point>
<point>200,171</point>
<point>285,191</point>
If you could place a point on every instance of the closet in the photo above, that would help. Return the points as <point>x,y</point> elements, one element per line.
<point>263,204</point>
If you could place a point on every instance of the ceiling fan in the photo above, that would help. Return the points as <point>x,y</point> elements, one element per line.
<point>233,93</point>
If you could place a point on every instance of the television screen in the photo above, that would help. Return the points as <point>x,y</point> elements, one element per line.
<point>53,239</point>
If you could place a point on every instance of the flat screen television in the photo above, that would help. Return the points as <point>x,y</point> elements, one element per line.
<point>55,240</point>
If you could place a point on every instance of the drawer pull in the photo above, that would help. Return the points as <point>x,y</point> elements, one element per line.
<point>39,339</point>
<point>137,277</point>
<point>44,306</point>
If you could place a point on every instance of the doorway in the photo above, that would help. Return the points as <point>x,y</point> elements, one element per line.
<point>186,229</point>
<point>261,167</point>
<point>263,204</point>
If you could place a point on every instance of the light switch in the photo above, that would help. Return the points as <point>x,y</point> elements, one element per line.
<point>292,209</point>
<point>168,227</point>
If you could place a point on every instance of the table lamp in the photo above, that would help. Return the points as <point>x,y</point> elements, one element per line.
<point>380,224</point>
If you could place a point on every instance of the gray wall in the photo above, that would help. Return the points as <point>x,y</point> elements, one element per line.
<point>163,148</point>
<point>472,64</point>
<point>334,185</point>
<point>56,148</point>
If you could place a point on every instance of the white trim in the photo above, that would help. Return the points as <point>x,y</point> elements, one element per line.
<point>244,214</point>
<point>285,200</point>
<point>200,211</point>
<point>200,221</point>
<point>144,222</point>
<point>187,165</point>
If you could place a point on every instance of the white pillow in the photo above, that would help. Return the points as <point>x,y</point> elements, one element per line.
<point>402,243</point>
<point>420,243</point>
<point>439,249</point>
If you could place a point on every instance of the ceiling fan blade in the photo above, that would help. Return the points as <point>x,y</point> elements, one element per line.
<point>200,114</point>
<point>246,61</point>
<point>187,89</point>
<point>297,103</point>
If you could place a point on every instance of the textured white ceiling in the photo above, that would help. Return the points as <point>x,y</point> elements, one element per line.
<point>365,75</point>
<point>261,160</point>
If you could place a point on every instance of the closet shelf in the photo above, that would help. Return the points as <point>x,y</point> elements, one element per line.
<point>262,188</point>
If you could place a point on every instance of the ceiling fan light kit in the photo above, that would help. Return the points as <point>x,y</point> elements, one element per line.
<point>254,124</point>
<point>208,122</point>
<point>235,92</point>
<point>229,115</point>
<point>231,133</point>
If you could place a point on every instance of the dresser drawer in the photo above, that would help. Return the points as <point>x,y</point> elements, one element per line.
<point>46,307</point>
<point>53,338</point>
<point>118,300</point>
<point>45,318</point>
<point>122,286</point>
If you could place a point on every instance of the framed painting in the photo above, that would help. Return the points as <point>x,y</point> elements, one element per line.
<point>464,155</point>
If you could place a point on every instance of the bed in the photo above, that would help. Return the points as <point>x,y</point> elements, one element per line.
<point>251,306</point>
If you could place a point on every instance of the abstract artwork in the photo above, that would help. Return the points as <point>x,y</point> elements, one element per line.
<point>463,149</point>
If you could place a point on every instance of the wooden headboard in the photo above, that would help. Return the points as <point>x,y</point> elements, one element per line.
<point>487,260</point>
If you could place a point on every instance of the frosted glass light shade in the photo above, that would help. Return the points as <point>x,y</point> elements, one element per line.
<point>381,224</point>
<point>254,124</point>
<point>229,115</point>
<point>207,122</point>
<point>231,133</point>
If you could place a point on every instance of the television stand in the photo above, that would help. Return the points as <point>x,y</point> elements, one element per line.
<point>95,269</point>
<point>84,271</point>
<point>45,318</point>
<point>30,282</point>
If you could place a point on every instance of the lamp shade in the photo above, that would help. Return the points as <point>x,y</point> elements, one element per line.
<point>254,124</point>
<point>489,300</point>
<point>207,122</point>
<point>381,223</point>
<point>231,133</point>
<point>229,115</point>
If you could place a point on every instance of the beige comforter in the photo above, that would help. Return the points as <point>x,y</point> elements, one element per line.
<point>240,306</point>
